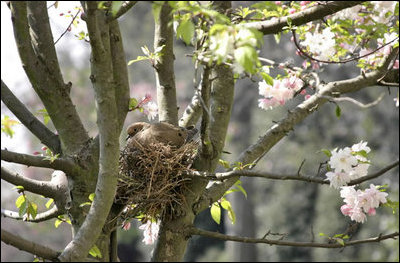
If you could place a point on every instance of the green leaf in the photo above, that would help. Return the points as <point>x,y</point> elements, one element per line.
<point>227,206</point>
<point>85,203</point>
<point>185,31</point>
<point>247,57</point>
<point>48,204</point>
<point>326,152</point>
<point>6,125</point>
<point>268,79</point>
<point>57,223</point>
<point>22,208</point>
<point>277,37</point>
<point>238,184</point>
<point>45,115</point>
<point>340,241</point>
<point>32,210</point>
<point>338,111</point>
<point>139,58</point>
<point>91,196</point>
<point>95,252</point>
<point>224,163</point>
<point>133,103</point>
<point>225,203</point>
<point>20,201</point>
<point>216,212</point>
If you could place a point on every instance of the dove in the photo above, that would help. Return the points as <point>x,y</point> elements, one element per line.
<point>146,133</point>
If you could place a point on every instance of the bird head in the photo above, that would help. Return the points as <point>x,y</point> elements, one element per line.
<point>134,128</point>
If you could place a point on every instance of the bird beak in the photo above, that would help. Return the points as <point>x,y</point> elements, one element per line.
<point>127,137</point>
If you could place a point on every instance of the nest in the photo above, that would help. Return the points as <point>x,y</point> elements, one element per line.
<point>152,179</point>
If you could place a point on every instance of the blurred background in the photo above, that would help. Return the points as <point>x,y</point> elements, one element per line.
<point>302,210</point>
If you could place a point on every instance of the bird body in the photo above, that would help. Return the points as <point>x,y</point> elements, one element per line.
<point>166,133</point>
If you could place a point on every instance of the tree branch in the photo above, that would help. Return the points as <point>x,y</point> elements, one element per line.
<point>295,177</point>
<point>109,129</point>
<point>357,103</point>
<point>193,111</point>
<point>294,117</point>
<point>62,164</point>
<point>47,137</point>
<point>164,67</point>
<point>126,6</point>
<point>303,17</point>
<point>40,62</point>
<point>46,188</point>
<point>44,216</point>
<point>210,234</point>
<point>29,246</point>
<point>120,72</point>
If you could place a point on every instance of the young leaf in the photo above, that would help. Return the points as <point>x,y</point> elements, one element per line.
<point>326,152</point>
<point>224,163</point>
<point>91,196</point>
<point>57,223</point>
<point>95,252</point>
<point>20,201</point>
<point>338,111</point>
<point>48,204</point>
<point>216,212</point>
<point>185,31</point>
<point>247,57</point>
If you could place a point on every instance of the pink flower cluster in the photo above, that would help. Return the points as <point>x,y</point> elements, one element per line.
<point>281,91</point>
<point>348,164</point>
<point>359,203</point>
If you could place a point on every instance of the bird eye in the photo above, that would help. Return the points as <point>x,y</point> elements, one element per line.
<point>180,134</point>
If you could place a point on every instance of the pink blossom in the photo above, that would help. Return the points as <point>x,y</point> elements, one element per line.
<point>44,148</point>
<point>396,64</point>
<point>345,209</point>
<point>306,97</point>
<point>357,215</point>
<point>278,2</point>
<point>371,212</point>
<point>150,232</point>
<point>292,11</point>
<point>36,153</point>
<point>126,226</point>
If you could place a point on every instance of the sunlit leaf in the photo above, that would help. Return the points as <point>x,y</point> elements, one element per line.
<point>95,252</point>
<point>185,31</point>
<point>216,212</point>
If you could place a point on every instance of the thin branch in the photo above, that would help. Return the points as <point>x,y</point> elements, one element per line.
<point>126,6</point>
<point>374,175</point>
<point>193,111</point>
<point>210,234</point>
<point>359,104</point>
<point>303,17</point>
<point>62,164</point>
<point>295,177</point>
<point>46,136</point>
<point>29,246</point>
<point>41,217</point>
<point>68,27</point>
<point>45,188</point>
